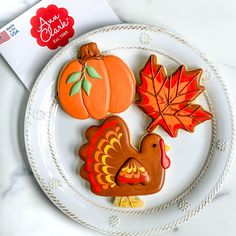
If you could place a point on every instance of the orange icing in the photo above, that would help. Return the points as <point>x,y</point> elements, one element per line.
<point>113,92</point>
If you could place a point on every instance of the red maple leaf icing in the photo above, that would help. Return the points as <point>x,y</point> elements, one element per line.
<point>168,100</point>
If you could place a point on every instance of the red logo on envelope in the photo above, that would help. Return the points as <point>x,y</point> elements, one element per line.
<point>52,27</point>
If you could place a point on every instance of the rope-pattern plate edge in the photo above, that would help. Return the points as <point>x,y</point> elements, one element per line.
<point>173,224</point>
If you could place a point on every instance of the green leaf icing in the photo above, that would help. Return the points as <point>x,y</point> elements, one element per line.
<point>79,79</point>
<point>87,86</point>
<point>76,88</point>
<point>73,77</point>
<point>92,72</point>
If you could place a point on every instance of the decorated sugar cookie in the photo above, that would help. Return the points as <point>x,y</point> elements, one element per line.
<point>115,168</point>
<point>94,85</point>
<point>169,100</point>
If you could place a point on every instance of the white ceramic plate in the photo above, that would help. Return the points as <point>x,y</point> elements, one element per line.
<point>200,161</point>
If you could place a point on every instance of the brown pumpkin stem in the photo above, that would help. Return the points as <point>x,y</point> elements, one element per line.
<point>89,50</point>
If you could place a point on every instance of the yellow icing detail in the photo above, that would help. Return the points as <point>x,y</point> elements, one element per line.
<point>142,169</point>
<point>131,170</point>
<point>119,136</point>
<point>108,178</point>
<point>113,140</point>
<point>102,155</point>
<point>105,169</point>
<point>128,202</point>
<point>167,148</point>
<point>106,149</point>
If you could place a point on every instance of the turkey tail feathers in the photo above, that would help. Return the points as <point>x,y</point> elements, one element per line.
<point>103,146</point>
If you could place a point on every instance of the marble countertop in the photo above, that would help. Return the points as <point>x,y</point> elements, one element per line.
<point>24,209</point>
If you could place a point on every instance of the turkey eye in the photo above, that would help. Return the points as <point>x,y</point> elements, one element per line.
<point>154,145</point>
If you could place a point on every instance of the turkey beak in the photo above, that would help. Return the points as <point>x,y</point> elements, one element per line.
<point>167,148</point>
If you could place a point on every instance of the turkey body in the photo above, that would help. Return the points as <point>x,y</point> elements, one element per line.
<point>115,168</point>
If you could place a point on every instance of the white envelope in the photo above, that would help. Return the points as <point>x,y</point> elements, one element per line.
<point>29,41</point>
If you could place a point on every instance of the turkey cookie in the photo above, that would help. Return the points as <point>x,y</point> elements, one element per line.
<point>94,85</point>
<point>168,100</point>
<point>115,168</point>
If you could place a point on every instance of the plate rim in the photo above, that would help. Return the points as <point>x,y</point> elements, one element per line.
<point>212,191</point>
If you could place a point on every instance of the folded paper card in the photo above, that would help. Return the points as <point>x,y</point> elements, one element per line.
<point>29,41</point>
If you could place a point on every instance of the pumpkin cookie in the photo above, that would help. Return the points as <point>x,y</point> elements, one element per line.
<point>94,85</point>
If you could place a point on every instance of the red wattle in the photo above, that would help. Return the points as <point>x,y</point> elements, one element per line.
<point>165,160</point>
